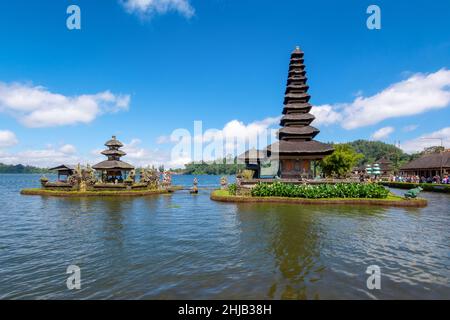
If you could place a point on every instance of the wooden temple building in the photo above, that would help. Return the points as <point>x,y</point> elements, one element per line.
<point>64,172</point>
<point>113,170</point>
<point>428,165</point>
<point>295,154</point>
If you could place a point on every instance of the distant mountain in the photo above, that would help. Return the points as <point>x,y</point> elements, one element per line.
<point>19,168</point>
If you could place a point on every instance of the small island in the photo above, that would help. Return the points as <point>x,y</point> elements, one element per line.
<point>323,194</point>
<point>112,177</point>
<point>287,171</point>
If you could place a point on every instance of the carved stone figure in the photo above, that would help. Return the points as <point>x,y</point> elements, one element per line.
<point>413,193</point>
<point>224,183</point>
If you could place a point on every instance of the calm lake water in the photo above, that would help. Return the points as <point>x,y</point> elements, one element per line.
<point>181,246</point>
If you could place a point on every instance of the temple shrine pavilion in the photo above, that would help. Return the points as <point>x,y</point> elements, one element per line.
<point>295,155</point>
<point>113,169</point>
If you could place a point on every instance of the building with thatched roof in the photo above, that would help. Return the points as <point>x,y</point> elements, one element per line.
<point>113,169</point>
<point>428,165</point>
<point>64,172</point>
<point>295,154</point>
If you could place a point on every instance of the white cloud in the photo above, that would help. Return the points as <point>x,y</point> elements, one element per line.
<point>428,140</point>
<point>382,133</point>
<point>7,139</point>
<point>35,106</point>
<point>40,157</point>
<point>151,7</point>
<point>211,144</point>
<point>236,128</point>
<point>142,157</point>
<point>325,115</point>
<point>417,94</point>
<point>68,149</point>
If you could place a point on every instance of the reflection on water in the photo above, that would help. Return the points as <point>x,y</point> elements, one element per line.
<point>185,246</point>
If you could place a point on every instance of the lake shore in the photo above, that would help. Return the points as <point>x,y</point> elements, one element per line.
<point>433,187</point>
<point>392,200</point>
<point>125,193</point>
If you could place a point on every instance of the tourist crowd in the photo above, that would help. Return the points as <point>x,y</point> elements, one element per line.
<point>417,179</point>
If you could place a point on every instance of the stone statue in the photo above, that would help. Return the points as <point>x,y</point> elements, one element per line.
<point>88,176</point>
<point>76,177</point>
<point>132,175</point>
<point>413,193</point>
<point>195,186</point>
<point>43,180</point>
<point>167,179</point>
<point>150,176</point>
<point>224,183</point>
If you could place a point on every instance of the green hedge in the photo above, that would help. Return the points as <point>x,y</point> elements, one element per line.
<point>340,190</point>
<point>435,187</point>
<point>232,189</point>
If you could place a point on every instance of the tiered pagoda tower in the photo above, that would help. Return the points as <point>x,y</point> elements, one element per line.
<point>113,169</point>
<point>296,118</point>
<point>296,149</point>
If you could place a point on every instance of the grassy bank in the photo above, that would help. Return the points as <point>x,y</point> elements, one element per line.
<point>121,193</point>
<point>433,187</point>
<point>391,200</point>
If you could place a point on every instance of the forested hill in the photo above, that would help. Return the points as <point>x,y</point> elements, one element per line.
<point>19,168</point>
<point>371,151</point>
<point>375,150</point>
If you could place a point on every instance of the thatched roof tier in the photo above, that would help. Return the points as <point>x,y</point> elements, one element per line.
<point>429,161</point>
<point>307,132</point>
<point>113,165</point>
<point>297,52</point>
<point>297,118</point>
<point>113,142</point>
<point>297,86</point>
<point>296,97</point>
<point>297,60</point>
<point>113,152</point>
<point>296,72</point>
<point>62,167</point>
<point>253,154</point>
<point>296,66</point>
<point>297,79</point>
<point>384,161</point>
<point>301,147</point>
<point>297,107</point>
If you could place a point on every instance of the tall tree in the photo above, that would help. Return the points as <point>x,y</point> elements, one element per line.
<point>341,161</point>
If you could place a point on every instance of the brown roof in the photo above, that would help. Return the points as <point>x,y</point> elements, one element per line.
<point>305,130</point>
<point>295,64</point>
<point>297,59</point>
<point>301,147</point>
<point>112,164</point>
<point>297,72</point>
<point>298,105</point>
<point>429,161</point>
<point>293,86</point>
<point>300,117</point>
<point>63,167</point>
<point>304,97</point>
<point>384,161</point>
<point>113,142</point>
<point>253,154</point>
<point>111,152</point>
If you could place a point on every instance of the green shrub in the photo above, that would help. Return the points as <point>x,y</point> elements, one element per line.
<point>340,190</point>
<point>232,189</point>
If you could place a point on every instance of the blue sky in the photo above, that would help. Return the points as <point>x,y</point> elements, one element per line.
<point>141,69</point>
